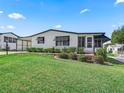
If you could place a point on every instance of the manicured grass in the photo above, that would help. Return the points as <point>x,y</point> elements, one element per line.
<point>31,73</point>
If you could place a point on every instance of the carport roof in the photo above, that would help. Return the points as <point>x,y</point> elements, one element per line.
<point>9,33</point>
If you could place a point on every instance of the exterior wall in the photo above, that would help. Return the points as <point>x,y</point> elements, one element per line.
<point>0,41</point>
<point>26,42</point>
<point>50,40</point>
<point>115,48</point>
<point>12,46</point>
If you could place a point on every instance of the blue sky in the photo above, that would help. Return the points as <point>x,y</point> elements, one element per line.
<point>27,17</point>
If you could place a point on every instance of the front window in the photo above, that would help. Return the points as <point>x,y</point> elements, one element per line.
<point>81,41</point>
<point>98,43</point>
<point>6,39</point>
<point>62,41</point>
<point>14,40</point>
<point>9,39</point>
<point>40,40</point>
<point>89,42</point>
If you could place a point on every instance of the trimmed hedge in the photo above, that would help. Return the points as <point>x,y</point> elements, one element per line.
<point>69,50</point>
<point>46,50</point>
<point>54,50</point>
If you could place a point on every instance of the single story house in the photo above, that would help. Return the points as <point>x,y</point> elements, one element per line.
<point>65,39</point>
<point>116,49</point>
<point>54,38</point>
<point>14,41</point>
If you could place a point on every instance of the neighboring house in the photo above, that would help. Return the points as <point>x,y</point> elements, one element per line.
<point>116,49</point>
<point>14,41</point>
<point>64,39</point>
<point>106,44</point>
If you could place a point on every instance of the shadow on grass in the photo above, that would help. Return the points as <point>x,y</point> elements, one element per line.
<point>114,61</point>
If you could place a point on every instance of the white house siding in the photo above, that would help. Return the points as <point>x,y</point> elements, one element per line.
<point>12,46</point>
<point>0,41</point>
<point>50,40</point>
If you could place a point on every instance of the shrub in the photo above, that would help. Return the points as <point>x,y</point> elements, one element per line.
<point>35,49</point>
<point>64,55</point>
<point>39,49</point>
<point>48,50</point>
<point>102,52</point>
<point>110,54</point>
<point>73,56</point>
<point>51,50</point>
<point>72,50</point>
<point>29,49</point>
<point>82,58</point>
<point>69,50</point>
<point>80,51</point>
<point>57,51</point>
<point>65,50</point>
<point>99,60</point>
<point>90,59</point>
<point>32,49</point>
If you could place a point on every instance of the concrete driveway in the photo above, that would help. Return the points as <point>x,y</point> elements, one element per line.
<point>119,58</point>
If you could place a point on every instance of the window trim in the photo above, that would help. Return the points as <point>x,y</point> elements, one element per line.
<point>62,41</point>
<point>96,43</point>
<point>42,41</point>
<point>10,39</point>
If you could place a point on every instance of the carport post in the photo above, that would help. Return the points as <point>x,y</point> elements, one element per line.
<point>7,47</point>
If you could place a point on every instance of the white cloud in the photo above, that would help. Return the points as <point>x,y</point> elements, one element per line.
<point>7,27</point>
<point>119,1</point>
<point>58,26</point>
<point>115,26</point>
<point>2,27</point>
<point>1,12</point>
<point>16,16</point>
<point>10,27</point>
<point>84,10</point>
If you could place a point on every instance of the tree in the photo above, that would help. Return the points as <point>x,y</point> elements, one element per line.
<point>118,36</point>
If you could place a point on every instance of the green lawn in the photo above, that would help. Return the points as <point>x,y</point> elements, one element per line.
<point>30,73</point>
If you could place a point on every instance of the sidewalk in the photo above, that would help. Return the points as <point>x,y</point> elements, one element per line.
<point>12,52</point>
